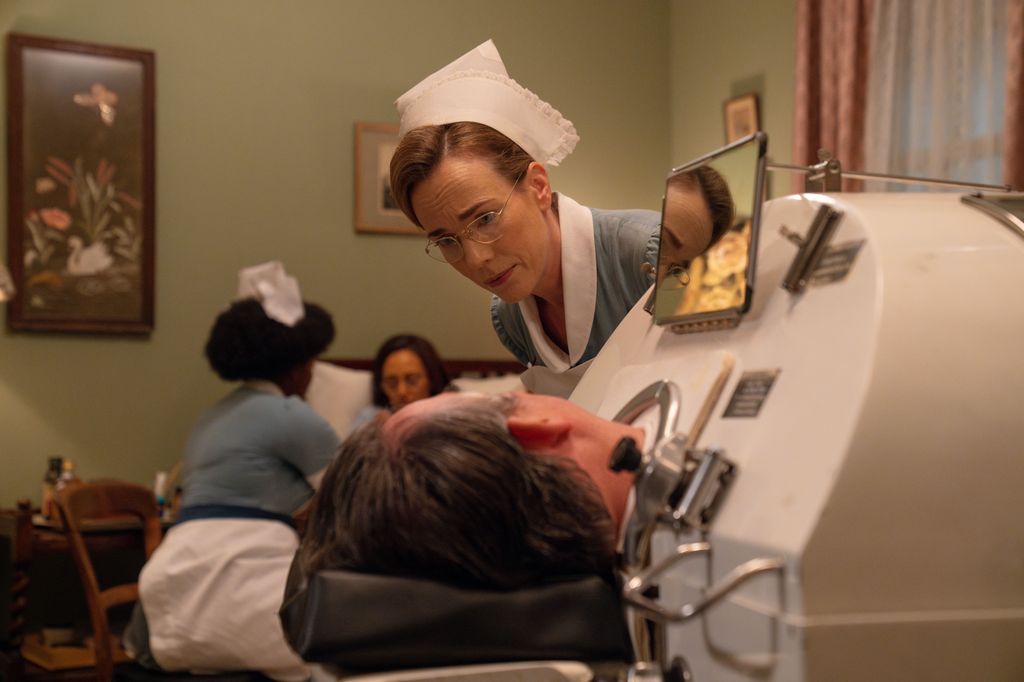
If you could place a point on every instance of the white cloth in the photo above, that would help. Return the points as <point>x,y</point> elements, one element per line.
<point>211,593</point>
<point>339,395</point>
<point>277,292</point>
<point>579,291</point>
<point>540,379</point>
<point>476,87</point>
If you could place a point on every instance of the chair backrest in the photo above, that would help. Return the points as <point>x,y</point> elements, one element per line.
<point>98,501</point>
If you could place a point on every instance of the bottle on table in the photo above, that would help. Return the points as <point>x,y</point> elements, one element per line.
<point>67,477</point>
<point>53,471</point>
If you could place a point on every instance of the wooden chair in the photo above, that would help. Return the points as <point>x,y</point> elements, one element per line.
<point>106,500</point>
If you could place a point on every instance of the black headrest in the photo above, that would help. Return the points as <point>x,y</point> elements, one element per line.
<point>366,622</point>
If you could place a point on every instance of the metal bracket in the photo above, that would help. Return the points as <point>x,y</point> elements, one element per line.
<point>824,176</point>
<point>827,175</point>
<point>707,476</point>
<point>812,248</point>
<point>645,671</point>
<point>999,207</point>
<point>635,587</point>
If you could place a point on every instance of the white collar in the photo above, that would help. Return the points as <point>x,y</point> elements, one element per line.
<point>579,288</point>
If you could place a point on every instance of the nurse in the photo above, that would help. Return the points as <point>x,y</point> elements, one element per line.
<point>470,170</point>
<point>211,591</point>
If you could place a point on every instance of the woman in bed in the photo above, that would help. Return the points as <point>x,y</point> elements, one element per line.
<point>406,368</point>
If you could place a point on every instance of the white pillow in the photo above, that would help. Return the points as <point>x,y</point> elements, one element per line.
<point>490,385</point>
<point>338,394</point>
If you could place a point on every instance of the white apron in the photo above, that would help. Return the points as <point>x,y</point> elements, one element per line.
<point>211,593</point>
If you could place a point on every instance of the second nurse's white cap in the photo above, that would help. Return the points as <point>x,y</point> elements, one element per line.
<point>276,291</point>
<point>476,87</point>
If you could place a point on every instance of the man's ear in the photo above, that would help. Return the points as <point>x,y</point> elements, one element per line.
<point>538,433</point>
<point>538,183</point>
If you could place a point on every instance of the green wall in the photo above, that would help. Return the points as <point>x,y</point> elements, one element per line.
<point>727,48</point>
<point>256,101</point>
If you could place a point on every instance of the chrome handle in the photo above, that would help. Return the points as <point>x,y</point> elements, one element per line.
<point>658,472</point>
<point>666,396</point>
<point>634,588</point>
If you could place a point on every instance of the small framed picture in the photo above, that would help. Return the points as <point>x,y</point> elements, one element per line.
<point>80,186</point>
<point>375,206</point>
<point>741,117</point>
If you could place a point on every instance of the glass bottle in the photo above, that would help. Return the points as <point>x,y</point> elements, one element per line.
<point>67,476</point>
<point>53,471</point>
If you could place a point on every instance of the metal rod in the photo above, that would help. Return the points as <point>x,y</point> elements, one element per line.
<point>905,179</point>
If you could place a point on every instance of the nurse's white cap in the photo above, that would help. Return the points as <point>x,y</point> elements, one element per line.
<point>476,87</point>
<point>276,291</point>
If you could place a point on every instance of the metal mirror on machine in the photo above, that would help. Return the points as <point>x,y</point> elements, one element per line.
<point>709,226</point>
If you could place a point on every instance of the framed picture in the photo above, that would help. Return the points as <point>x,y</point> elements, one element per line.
<point>375,207</point>
<point>741,117</point>
<point>80,192</point>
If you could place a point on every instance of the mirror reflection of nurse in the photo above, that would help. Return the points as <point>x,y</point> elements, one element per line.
<point>698,211</point>
<point>470,170</point>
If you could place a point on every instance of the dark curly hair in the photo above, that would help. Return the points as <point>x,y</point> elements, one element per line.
<point>437,375</point>
<point>246,344</point>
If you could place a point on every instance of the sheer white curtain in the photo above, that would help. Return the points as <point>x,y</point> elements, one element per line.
<point>936,89</point>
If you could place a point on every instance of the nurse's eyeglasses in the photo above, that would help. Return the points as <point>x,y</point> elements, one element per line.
<point>485,229</point>
<point>677,276</point>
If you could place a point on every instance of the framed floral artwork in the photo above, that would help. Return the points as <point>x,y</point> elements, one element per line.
<point>741,116</point>
<point>80,230</point>
<point>375,206</point>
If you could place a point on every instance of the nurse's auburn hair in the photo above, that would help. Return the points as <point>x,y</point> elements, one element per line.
<point>422,149</point>
<point>717,195</point>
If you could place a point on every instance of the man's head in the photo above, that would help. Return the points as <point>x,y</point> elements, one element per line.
<point>445,490</point>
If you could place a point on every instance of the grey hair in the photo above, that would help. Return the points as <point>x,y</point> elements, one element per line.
<point>457,500</point>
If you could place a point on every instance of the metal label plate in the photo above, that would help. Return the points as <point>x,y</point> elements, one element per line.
<point>750,393</point>
<point>836,264</point>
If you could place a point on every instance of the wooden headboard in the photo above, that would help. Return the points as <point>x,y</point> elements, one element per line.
<point>456,368</point>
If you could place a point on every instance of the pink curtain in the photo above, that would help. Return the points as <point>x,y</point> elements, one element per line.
<point>832,56</point>
<point>1013,133</point>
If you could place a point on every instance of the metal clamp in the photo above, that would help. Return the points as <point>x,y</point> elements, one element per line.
<point>633,591</point>
<point>812,248</point>
<point>708,475</point>
<point>824,176</point>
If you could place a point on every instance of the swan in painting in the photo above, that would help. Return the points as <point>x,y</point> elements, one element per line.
<point>89,260</point>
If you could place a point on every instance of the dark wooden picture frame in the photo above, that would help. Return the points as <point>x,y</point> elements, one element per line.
<point>80,186</point>
<point>741,117</point>
<point>375,207</point>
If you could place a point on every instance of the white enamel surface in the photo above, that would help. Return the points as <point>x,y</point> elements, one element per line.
<point>884,463</point>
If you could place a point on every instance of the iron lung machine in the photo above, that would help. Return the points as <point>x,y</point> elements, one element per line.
<point>841,494</point>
